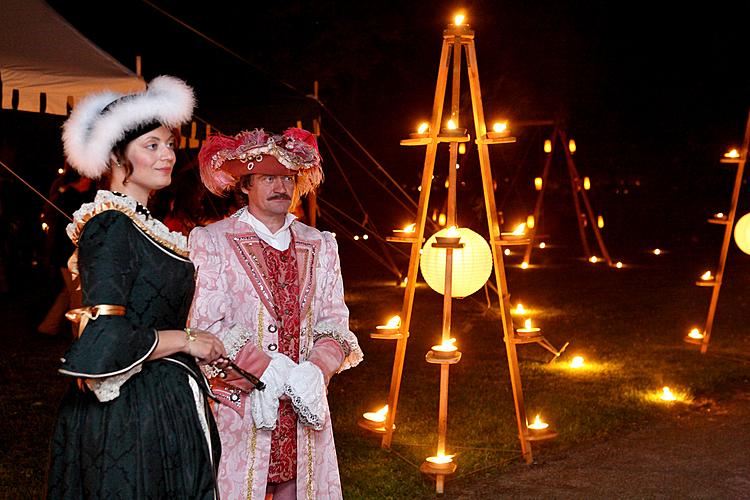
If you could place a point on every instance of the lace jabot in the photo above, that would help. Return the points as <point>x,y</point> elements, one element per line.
<point>106,200</point>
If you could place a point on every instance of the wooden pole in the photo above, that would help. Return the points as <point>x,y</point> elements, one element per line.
<point>575,187</point>
<point>727,238</point>
<point>416,246</point>
<point>539,198</point>
<point>497,254</point>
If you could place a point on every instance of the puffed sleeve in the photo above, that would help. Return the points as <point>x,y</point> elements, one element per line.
<point>108,265</point>
<point>333,315</point>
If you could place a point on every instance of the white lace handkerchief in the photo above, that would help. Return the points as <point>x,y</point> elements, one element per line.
<point>265,404</point>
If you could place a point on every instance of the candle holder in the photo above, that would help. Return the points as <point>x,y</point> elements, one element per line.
<point>528,331</point>
<point>372,426</point>
<point>719,218</point>
<point>694,337</point>
<point>438,465</point>
<point>709,280</point>
<point>447,242</point>
<point>539,431</point>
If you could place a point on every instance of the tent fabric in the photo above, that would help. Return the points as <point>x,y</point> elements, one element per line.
<point>49,65</point>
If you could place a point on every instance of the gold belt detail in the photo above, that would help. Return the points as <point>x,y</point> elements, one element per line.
<point>82,315</point>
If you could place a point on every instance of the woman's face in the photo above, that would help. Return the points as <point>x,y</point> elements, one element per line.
<point>152,157</point>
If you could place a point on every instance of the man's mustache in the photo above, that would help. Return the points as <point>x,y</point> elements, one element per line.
<point>280,197</point>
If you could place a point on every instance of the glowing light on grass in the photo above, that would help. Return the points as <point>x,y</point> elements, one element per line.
<point>356,237</point>
<point>657,251</point>
<point>542,245</point>
<point>376,416</point>
<point>393,324</point>
<point>593,259</point>
<point>667,395</point>
<point>618,265</point>
<point>524,265</point>
<point>732,154</point>
<point>364,236</point>
<point>577,362</point>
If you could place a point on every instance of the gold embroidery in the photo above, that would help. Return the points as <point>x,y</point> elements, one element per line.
<point>310,454</point>
<point>260,327</point>
<point>251,468</point>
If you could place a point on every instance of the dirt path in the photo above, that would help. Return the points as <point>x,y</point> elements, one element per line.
<point>703,452</point>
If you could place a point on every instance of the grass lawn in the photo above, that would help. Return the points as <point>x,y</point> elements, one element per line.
<point>628,324</point>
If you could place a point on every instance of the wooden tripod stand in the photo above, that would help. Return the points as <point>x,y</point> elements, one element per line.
<point>738,158</point>
<point>456,37</point>
<point>578,189</point>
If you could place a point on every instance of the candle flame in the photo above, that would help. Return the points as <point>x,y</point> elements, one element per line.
<point>500,127</point>
<point>520,229</point>
<point>666,394</point>
<point>446,346</point>
<point>392,324</point>
<point>706,276</point>
<point>577,362</point>
<point>538,181</point>
<point>376,416</point>
<point>452,125</point>
<point>732,154</point>
<point>572,146</point>
<point>441,458</point>
<point>719,215</point>
<point>459,19</point>
<point>524,265</point>
<point>547,146</point>
<point>542,245</point>
<point>657,251</point>
<point>407,229</point>
<point>423,128</point>
<point>618,265</point>
<point>506,251</point>
<point>695,334</point>
<point>527,323</point>
<point>586,183</point>
<point>452,232</point>
<point>538,424</point>
<point>520,309</point>
<point>594,259</point>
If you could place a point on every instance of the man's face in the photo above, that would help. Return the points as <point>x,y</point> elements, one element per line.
<point>270,195</point>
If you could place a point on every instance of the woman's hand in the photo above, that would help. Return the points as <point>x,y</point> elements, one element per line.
<point>206,347</point>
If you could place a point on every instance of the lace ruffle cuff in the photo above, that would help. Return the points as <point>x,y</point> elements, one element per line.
<point>346,339</point>
<point>107,389</point>
<point>307,390</point>
<point>265,404</point>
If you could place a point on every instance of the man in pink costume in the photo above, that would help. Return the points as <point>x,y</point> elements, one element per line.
<point>270,287</point>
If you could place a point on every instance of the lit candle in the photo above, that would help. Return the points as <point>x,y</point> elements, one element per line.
<point>618,265</point>
<point>530,221</point>
<point>407,229</point>
<point>459,19</point>
<point>527,328</point>
<point>666,394</point>
<point>524,265</point>
<point>445,350</point>
<point>657,251</point>
<point>577,362</point>
<point>695,334</point>
<point>732,154</point>
<point>506,251</point>
<point>451,125</point>
<point>520,229</point>
<point>423,128</point>
<point>593,259</point>
<point>538,425</point>
<point>376,416</point>
<point>519,309</point>
<point>517,233</point>
<point>586,183</point>
<point>393,324</point>
<point>719,215</point>
<point>451,236</point>
<point>499,129</point>
<point>538,182</point>
<point>707,276</point>
<point>542,245</point>
<point>572,146</point>
<point>547,146</point>
<point>441,458</point>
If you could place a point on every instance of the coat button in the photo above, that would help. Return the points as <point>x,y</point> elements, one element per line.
<point>283,258</point>
<point>272,347</point>
<point>272,328</point>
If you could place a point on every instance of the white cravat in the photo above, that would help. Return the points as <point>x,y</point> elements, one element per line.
<point>280,239</point>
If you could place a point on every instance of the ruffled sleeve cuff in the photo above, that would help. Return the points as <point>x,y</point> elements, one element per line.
<point>107,389</point>
<point>347,340</point>
<point>265,404</point>
<point>306,388</point>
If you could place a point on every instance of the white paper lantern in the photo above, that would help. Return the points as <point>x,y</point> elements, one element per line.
<point>742,233</point>
<point>472,264</point>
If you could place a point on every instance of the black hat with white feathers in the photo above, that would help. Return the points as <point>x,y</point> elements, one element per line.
<point>101,121</point>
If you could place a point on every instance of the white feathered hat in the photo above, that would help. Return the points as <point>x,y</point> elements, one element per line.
<point>101,121</point>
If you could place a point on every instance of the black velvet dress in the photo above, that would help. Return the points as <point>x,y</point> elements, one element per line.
<point>148,442</point>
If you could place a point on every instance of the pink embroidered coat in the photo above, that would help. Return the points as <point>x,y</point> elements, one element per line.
<point>233,300</point>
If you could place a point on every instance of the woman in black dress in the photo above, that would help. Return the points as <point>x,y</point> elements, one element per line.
<point>135,422</point>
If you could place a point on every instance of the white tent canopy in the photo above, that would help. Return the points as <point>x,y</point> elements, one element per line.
<point>49,65</point>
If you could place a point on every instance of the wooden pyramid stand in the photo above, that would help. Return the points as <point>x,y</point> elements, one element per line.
<point>728,222</point>
<point>454,38</point>
<point>577,189</point>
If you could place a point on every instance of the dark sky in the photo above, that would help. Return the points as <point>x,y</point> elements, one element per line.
<point>652,91</point>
